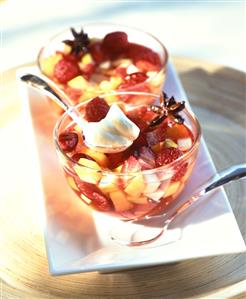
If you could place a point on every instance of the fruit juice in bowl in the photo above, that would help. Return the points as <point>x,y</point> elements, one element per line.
<point>101,58</point>
<point>145,178</point>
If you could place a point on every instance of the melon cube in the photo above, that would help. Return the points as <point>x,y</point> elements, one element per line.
<point>136,186</point>
<point>88,171</point>
<point>120,201</point>
<point>78,82</point>
<point>99,157</point>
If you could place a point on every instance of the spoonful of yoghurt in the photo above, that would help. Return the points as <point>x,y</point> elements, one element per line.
<point>113,133</point>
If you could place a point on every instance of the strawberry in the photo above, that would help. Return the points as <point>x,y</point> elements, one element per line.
<point>68,141</point>
<point>96,109</point>
<point>167,155</point>
<point>138,52</point>
<point>99,200</point>
<point>66,70</point>
<point>115,42</point>
<point>97,52</point>
<point>131,165</point>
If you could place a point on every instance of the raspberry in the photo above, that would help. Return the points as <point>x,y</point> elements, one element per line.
<point>68,141</point>
<point>96,109</point>
<point>115,42</point>
<point>167,155</point>
<point>66,70</point>
<point>99,200</point>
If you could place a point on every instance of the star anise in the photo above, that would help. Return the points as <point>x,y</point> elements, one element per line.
<point>167,107</point>
<point>80,42</point>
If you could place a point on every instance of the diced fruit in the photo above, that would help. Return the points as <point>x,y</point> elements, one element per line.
<point>76,157</point>
<point>115,42</point>
<point>138,200</point>
<point>172,188</point>
<point>99,157</point>
<point>98,199</point>
<point>131,165</point>
<point>146,157</point>
<point>48,64</point>
<point>78,82</point>
<point>152,183</point>
<point>167,155</point>
<point>108,183</point>
<point>139,52</point>
<point>97,52</point>
<point>146,66</point>
<point>66,70</point>
<point>68,141</point>
<point>178,131</point>
<point>96,109</point>
<point>120,201</point>
<point>180,171</point>
<point>87,59</point>
<point>88,171</point>
<point>71,183</point>
<point>141,116</point>
<point>184,143</point>
<point>135,186</point>
<point>135,78</point>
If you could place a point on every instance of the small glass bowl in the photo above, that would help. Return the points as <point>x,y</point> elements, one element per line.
<point>153,84</point>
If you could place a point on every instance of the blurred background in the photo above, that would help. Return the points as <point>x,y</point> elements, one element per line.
<point>209,30</point>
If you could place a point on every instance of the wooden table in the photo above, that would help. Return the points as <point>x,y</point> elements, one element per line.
<point>216,92</point>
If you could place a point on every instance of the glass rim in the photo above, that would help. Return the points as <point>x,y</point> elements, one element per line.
<point>163,65</point>
<point>185,156</point>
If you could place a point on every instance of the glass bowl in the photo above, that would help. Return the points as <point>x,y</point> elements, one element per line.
<point>127,195</point>
<point>98,77</point>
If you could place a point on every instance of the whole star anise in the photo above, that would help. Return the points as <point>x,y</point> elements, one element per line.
<point>167,107</point>
<point>80,42</point>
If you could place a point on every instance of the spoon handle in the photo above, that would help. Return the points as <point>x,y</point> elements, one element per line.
<point>224,177</point>
<point>60,98</point>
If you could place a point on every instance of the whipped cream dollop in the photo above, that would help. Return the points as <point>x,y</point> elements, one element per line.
<point>116,130</point>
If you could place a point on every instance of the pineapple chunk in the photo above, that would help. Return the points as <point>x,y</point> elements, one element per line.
<point>99,157</point>
<point>89,172</point>
<point>78,82</point>
<point>136,186</point>
<point>48,64</point>
<point>138,200</point>
<point>71,183</point>
<point>108,183</point>
<point>172,188</point>
<point>87,59</point>
<point>120,202</point>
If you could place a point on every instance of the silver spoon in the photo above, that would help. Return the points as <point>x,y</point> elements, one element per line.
<point>46,87</point>
<point>160,223</point>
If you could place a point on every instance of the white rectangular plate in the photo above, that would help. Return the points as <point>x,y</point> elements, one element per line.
<point>77,240</point>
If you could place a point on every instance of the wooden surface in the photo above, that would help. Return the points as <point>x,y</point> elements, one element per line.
<point>218,97</point>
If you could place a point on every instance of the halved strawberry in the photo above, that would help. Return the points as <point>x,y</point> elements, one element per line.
<point>68,141</point>
<point>99,200</point>
<point>96,109</point>
<point>180,171</point>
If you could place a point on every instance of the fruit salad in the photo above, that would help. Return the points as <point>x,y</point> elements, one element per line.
<point>85,65</point>
<point>144,178</point>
